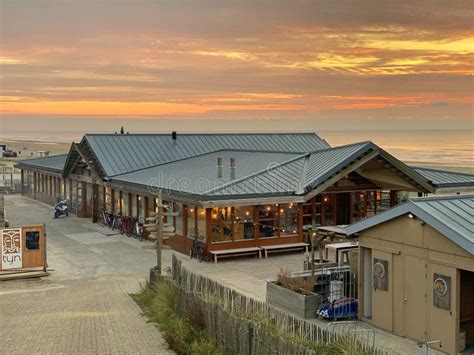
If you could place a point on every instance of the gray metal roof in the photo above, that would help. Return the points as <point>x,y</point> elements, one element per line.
<point>121,153</point>
<point>258,174</point>
<point>54,163</point>
<point>452,216</point>
<point>199,174</point>
<point>443,178</point>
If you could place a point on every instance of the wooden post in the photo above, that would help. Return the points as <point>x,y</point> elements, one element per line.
<point>256,223</point>
<point>393,198</point>
<point>45,255</point>
<point>22,182</point>
<point>130,207</point>
<point>300,221</point>
<point>314,238</point>
<point>159,233</point>
<point>208,228</point>
<point>112,201</point>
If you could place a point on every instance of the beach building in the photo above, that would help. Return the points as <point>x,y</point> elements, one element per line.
<point>416,270</point>
<point>236,191</point>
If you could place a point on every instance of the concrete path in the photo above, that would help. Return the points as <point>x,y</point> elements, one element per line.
<point>84,306</point>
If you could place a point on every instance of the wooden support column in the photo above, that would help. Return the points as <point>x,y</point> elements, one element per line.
<point>22,182</point>
<point>208,228</point>
<point>232,216</point>
<point>121,203</point>
<point>130,207</point>
<point>35,185</point>
<point>300,221</point>
<point>256,223</point>
<point>112,201</point>
<point>393,198</point>
<point>145,205</point>
<point>185,220</point>
<point>137,200</point>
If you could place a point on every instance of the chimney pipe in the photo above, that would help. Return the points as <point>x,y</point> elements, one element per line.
<point>232,168</point>
<point>219,167</point>
<point>174,135</point>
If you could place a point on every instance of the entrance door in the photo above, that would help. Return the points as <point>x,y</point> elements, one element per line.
<point>382,290</point>
<point>343,208</point>
<point>415,298</point>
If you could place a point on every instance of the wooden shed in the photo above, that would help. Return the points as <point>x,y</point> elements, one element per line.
<point>417,271</point>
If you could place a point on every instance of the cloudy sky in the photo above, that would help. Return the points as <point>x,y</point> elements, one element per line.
<point>330,64</point>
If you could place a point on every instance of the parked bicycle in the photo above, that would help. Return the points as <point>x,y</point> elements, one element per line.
<point>126,226</point>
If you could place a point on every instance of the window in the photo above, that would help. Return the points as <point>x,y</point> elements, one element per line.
<point>32,240</point>
<point>288,223</point>
<point>221,224</point>
<point>243,228</point>
<point>268,217</point>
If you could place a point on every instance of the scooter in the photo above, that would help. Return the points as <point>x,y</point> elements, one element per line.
<point>61,208</point>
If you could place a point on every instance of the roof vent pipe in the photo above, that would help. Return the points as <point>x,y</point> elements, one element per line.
<point>232,168</point>
<point>174,135</point>
<point>219,167</point>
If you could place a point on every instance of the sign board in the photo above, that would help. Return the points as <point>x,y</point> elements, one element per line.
<point>380,271</point>
<point>11,248</point>
<point>442,291</point>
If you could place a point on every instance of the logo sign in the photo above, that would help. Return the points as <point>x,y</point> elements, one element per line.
<point>442,291</point>
<point>380,272</point>
<point>11,248</point>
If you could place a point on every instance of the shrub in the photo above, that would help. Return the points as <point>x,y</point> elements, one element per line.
<point>184,337</point>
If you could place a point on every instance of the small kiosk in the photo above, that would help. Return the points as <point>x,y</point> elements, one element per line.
<point>23,252</point>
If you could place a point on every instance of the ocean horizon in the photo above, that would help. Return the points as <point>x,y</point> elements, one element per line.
<point>453,148</point>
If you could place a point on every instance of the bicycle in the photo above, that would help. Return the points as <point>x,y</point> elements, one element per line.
<point>138,230</point>
<point>197,249</point>
<point>126,226</point>
<point>117,221</point>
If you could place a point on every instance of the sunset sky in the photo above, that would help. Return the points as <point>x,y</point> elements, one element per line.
<point>290,64</point>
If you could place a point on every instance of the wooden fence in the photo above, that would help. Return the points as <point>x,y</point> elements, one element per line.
<point>242,325</point>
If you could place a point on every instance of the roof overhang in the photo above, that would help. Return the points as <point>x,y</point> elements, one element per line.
<point>405,209</point>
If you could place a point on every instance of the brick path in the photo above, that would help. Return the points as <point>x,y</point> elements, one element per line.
<point>84,307</point>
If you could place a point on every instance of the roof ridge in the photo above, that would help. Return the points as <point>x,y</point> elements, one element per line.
<point>439,170</point>
<point>203,134</point>
<point>46,157</point>
<point>441,198</point>
<point>207,153</point>
<point>343,146</point>
<point>259,172</point>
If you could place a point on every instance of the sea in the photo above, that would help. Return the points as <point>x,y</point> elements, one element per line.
<point>434,148</point>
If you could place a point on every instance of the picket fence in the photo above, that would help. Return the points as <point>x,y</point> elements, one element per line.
<point>229,320</point>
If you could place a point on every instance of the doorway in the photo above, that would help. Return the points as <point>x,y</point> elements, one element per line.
<point>466,319</point>
<point>367,282</point>
<point>343,208</point>
<point>414,299</point>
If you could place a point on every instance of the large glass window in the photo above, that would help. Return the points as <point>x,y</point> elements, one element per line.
<point>288,224</point>
<point>201,223</point>
<point>268,218</point>
<point>179,225</point>
<point>358,206</point>
<point>221,224</point>
<point>328,208</point>
<point>192,222</point>
<point>243,228</point>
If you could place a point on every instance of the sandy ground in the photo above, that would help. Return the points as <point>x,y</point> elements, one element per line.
<point>53,147</point>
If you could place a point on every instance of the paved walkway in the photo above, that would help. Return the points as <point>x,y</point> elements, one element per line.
<point>84,306</point>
